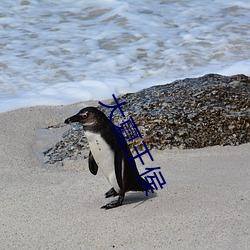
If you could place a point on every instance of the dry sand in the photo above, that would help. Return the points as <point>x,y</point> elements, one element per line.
<point>204,205</point>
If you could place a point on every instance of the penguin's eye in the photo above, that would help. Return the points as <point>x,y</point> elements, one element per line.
<point>84,115</point>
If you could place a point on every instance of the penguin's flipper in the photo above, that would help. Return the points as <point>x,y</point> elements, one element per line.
<point>93,167</point>
<point>111,193</point>
<point>113,204</point>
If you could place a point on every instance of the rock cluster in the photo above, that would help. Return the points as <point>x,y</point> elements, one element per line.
<point>190,113</point>
<point>71,146</point>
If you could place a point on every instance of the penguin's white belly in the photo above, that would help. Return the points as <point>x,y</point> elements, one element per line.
<point>104,157</point>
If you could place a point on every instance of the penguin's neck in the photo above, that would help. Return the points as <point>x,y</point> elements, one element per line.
<point>91,135</point>
<point>95,128</point>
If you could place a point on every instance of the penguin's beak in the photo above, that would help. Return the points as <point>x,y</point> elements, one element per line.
<point>74,118</point>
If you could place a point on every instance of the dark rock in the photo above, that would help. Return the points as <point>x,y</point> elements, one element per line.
<point>190,113</point>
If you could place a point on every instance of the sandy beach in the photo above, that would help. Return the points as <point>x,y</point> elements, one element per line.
<point>204,205</point>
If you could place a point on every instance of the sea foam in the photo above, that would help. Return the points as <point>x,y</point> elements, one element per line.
<point>63,52</point>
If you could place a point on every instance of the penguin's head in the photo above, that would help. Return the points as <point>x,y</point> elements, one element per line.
<point>89,117</point>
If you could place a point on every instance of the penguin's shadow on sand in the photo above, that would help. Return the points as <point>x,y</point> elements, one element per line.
<point>138,198</point>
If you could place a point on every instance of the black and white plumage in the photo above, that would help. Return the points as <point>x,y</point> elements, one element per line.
<point>107,154</point>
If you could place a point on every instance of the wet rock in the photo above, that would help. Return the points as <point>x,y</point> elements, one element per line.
<point>190,113</point>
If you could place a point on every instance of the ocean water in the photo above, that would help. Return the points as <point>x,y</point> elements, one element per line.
<point>61,52</point>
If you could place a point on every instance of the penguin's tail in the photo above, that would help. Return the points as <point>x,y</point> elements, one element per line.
<point>143,185</point>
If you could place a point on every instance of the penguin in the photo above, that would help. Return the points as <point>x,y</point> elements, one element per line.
<point>106,153</point>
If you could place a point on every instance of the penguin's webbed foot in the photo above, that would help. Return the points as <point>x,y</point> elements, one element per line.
<point>113,204</point>
<point>111,193</point>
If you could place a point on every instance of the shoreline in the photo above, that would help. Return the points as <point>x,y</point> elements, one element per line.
<point>205,203</point>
